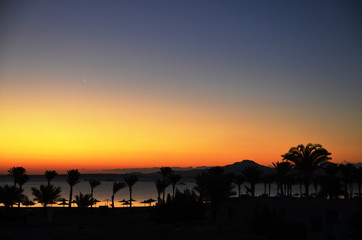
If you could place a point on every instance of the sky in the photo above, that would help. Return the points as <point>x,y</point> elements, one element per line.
<point>99,85</point>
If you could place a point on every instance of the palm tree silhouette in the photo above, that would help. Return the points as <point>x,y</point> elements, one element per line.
<point>83,200</point>
<point>20,178</point>
<point>50,175</point>
<point>17,173</point>
<point>330,182</point>
<point>267,180</point>
<point>46,195</point>
<point>165,173</point>
<point>159,187</point>
<point>239,180</point>
<point>174,180</point>
<point>115,189</point>
<point>359,180</point>
<point>93,183</point>
<point>73,178</point>
<point>252,176</point>
<point>130,180</point>
<point>306,159</point>
<point>9,195</point>
<point>282,169</point>
<point>218,186</point>
<point>348,171</point>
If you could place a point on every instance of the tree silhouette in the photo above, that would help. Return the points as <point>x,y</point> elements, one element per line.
<point>159,187</point>
<point>130,180</point>
<point>201,185</point>
<point>282,169</point>
<point>331,186</point>
<point>359,180</point>
<point>239,180</point>
<point>46,195</point>
<point>93,184</point>
<point>348,171</point>
<point>253,176</point>
<point>73,178</point>
<point>83,200</point>
<point>9,195</point>
<point>306,159</point>
<point>174,180</point>
<point>20,178</point>
<point>267,180</point>
<point>165,173</point>
<point>50,175</point>
<point>115,189</point>
<point>217,185</point>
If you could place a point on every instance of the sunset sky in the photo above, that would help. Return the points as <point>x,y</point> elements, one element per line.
<point>100,85</point>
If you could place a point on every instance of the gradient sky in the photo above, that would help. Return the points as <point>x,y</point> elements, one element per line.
<point>112,84</point>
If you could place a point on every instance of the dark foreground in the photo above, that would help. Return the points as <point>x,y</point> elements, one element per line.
<point>94,224</point>
<point>237,219</point>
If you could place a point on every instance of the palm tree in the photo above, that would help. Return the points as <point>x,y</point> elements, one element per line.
<point>239,180</point>
<point>174,179</point>
<point>282,169</point>
<point>93,184</point>
<point>20,178</point>
<point>348,171</point>
<point>9,195</point>
<point>17,173</point>
<point>115,189</point>
<point>73,178</point>
<point>201,183</point>
<point>253,176</point>
<point>218,186</point>
<point>50,175</point>
<point>359,180</point>
<point>165,173</point>
<point>306,159</point>
<point>331,186</point>
<point>159,187</point>
<point>83,200</point>
<point>48,194</point>
<point>130,180</point>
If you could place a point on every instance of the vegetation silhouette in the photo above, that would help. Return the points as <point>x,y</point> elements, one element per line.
<point>93,183</point>
<point>130,180</point>
<point>50,175</point>
<point>9,195</point>
<point>253,176</point>
<point>116,187</point>
<point>174,180</point>
<point>217,187</point>
<point>83,200</point>
<point>20,178</point>
<point>282,171</point>
<point>238,181</point>
<point>159,184</point>
<point>165,174</point>
<point>306,159</point>
<point>46,195</point>
<point>73,178</point>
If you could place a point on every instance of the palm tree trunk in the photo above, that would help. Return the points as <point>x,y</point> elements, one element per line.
<point>112,201</point>
<point>92,197</point>
<point>351,190</point>
<point>306,187</point>
<point>239,190</point>
<point>252,189</point>
<point>70,196</point>
<point>20,187</point>
<point>173,190</point>
<point>264,188</point>
<point>269,186</point>
<point>130,197</point>
<point>359,190</point>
